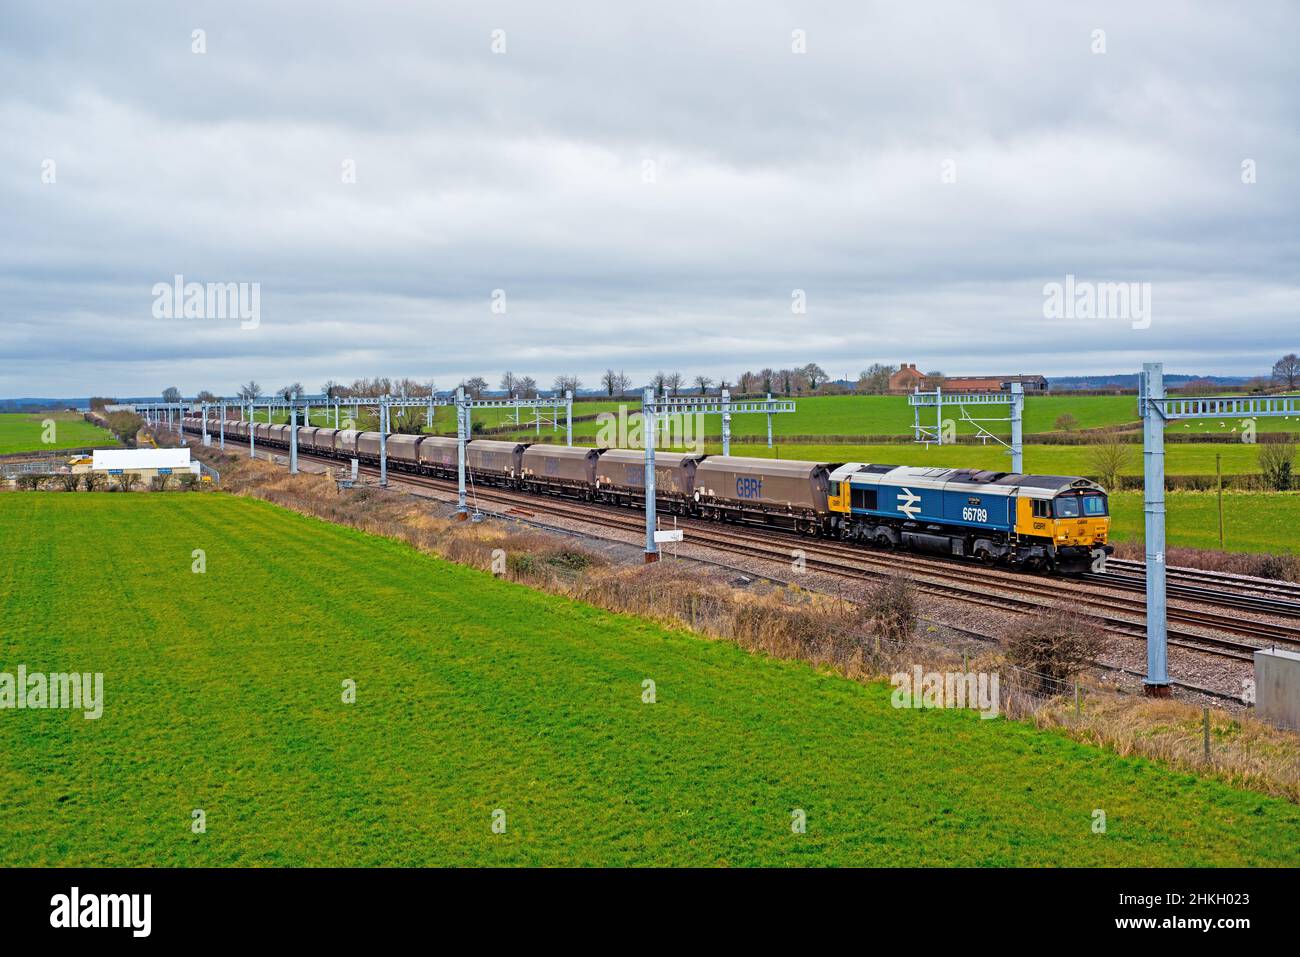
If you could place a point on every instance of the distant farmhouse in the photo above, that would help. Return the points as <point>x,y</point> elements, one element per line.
<point>908,379</point>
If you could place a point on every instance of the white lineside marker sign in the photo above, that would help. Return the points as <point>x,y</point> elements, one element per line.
<point>670,535</point>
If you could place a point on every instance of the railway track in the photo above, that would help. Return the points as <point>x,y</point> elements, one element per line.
<point>968,583</point>
<point>1267,596</point>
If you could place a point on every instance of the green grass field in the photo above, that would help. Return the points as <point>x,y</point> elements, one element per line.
<point>886,415</point>
<point>222,692</point>
<point>856,415</point>
<point>26,432</point>
<point>1180,459</point>
<point>1262,522</point>
<point>891,415</point>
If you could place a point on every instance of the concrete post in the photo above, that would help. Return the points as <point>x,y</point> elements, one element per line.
<point>252,426</point>
<point>1017,427</point>
<point>568,416</point>
<point>769,423</point>
<point>648,433</point>
<point>221,427</point>
<point>1153,479</point>
<point>204,427</point>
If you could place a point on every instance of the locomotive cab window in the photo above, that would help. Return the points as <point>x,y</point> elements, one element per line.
<point>864,498</point>
<point>1094,505</point>
<point>1042,508</point>
<point>1067,506</point>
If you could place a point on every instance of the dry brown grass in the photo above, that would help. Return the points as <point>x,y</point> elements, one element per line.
<point>1243,751</point>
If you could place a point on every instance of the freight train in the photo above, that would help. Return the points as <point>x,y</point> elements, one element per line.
<point>1052,523</point>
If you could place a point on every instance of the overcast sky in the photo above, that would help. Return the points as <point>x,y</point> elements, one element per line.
<point>650,185</point>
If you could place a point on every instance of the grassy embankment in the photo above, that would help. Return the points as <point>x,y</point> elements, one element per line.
<point>222,692</point>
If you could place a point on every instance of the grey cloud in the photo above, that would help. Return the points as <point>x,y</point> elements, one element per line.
<point>524,172</point>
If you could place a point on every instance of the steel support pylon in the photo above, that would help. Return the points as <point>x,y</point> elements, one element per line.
<point>1153,484</point>
<point>462,436</point>
<point>648,433</point>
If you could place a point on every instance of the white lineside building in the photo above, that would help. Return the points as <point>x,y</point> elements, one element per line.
<point>143,462</point>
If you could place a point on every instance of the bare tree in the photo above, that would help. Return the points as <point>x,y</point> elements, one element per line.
<point>565,383</point>
<point>1110,458</point>
<point>875,378</point>
<point>660,382</point>
<point>527,387</point>
<point>509,384</point>
<point>768,377</point>
<point>703,382</point>
<point>475,387</point>
<point>674,382</point>
<point>332,389</point>
<point>745,381</point>
<point>622,384</point>
<point>609,381</point>
<point>171,394</point>
<point>291,391</point>
<point>815,375</point>
<point>413,387</point>
<point>1287,370</point>
<point>205,396</point>
<point>249,391</point>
